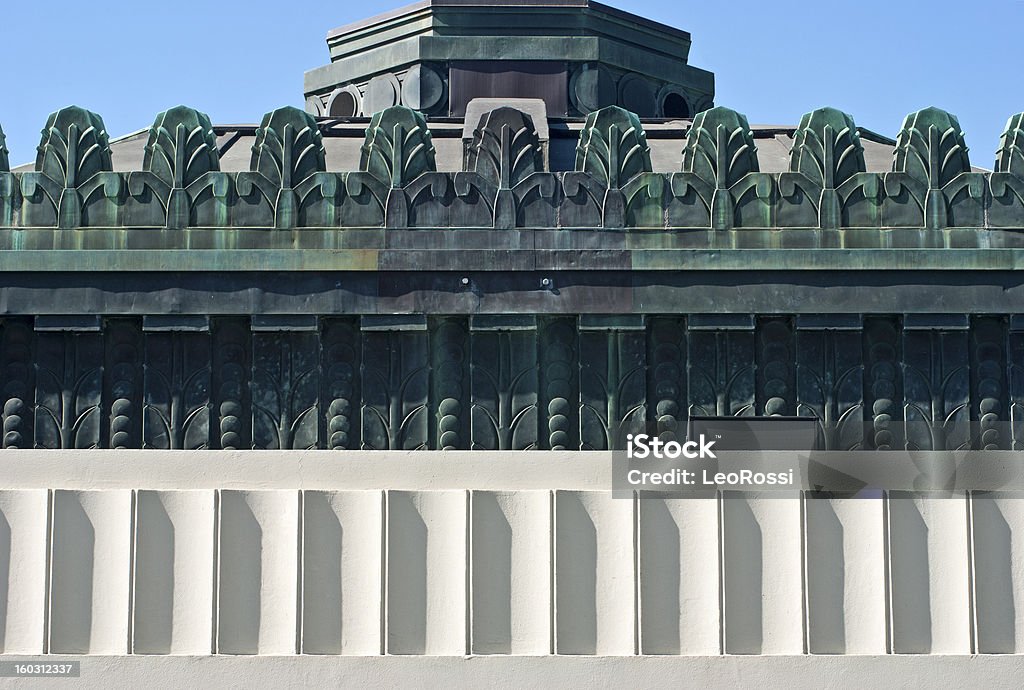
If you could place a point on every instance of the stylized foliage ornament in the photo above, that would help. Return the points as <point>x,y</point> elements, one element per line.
<point>72,162</point>
<point>720,155</point>
<point>501,162</point>
<point>1010,156</point>
<point>505,148</point>
<point>613,164</point>
<point>930,155</point>
<point>397,150</point>
<point>5,164</point>
<point>827,164</point>
<point>287,161</point>
<point>181,161</point>
<point>398,147</point>
<point>181,147</point>
<point>613,147</point>
<point>1008,174</point>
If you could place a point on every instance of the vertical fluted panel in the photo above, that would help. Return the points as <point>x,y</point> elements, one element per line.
<point>559,391</point>
<point>90,572</point>
<point>231,367</point>
<point>23,561</point>
<point>883,383</point>
<point>426,556</point>
<point>124,384</point>
<point>18,383</point>
<point>680,575</point>
<point>342,571</point>
<point>257,572</point>
<point>929,569</point>
<point>846,575</point>
<point>776,367</point>
<point>666,376</point>
<point>172,609</point>
<point>340,384</point>
<point>510,566</point>
<point>988,383</point>
<point>595,605</point>
<point>762,573</point>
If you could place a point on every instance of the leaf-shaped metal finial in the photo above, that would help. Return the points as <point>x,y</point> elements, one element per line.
<point>289,147</point>
<point>720,147</point>
<point>930,148</point>
<point>398,147</point>
<point>74,147</point>
<point>826,148</point>
<point>5,164</point>
<point>181,147</point>
<point>1010,156</point>
<point>505,148</point>
<point>613,146</point>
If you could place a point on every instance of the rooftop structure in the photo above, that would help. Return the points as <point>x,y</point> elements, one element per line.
<point>575,55</point>
<point>502,228</point>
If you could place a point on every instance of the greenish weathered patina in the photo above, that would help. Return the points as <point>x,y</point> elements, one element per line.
<point>593,54</point>
<point>932,186</point>
<point>564,283</point>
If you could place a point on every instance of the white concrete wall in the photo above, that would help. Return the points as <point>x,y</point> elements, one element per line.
<point>364,554</point>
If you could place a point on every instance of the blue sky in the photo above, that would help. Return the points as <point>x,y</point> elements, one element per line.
<point>876,59</point>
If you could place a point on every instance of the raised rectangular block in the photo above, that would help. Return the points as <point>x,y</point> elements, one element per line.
<point>174,556</point>
<point>680,575</point>
<point>763,577</point>
<point>511,572</point>
<point>998,525</point>
<point>23,537</point>
<point>258,565</point>
<point>595,574</point>
<point>928,545</point>
<point>846,606</point>
<point>90,572</point>
<point>427,557</point>
<point>342,572</point>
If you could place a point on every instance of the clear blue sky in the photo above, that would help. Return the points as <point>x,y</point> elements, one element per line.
<point>876,59</point>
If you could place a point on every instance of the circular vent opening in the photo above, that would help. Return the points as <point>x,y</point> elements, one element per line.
<point>343,105</point>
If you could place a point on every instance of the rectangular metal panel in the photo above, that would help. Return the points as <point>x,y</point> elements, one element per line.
<point>547,80</point>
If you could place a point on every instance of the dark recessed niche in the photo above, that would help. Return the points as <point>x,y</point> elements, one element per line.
<point>675,105</point>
